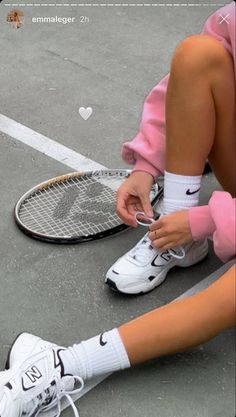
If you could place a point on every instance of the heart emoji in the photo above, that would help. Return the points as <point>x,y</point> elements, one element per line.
<point>85,113</point>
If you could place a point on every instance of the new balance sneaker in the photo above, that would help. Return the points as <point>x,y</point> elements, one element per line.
<point>34,380</point>
<point>143,268</point>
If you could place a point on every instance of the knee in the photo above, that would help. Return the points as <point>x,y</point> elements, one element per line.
<point>198,54</point>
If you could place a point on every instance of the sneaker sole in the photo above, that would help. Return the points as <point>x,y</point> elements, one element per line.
<point>133,290</point>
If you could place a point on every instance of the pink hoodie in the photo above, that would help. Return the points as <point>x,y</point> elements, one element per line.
<point>147,149</point>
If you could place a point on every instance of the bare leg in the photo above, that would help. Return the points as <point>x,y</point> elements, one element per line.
<point>200,111</point>
<point>200,123</point>
<point>182,324</point>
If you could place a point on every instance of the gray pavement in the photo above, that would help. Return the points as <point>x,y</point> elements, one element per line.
<point>47,72</point>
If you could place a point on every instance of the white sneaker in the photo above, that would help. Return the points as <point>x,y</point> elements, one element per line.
<point>143,268</point>
<point>35,381</point>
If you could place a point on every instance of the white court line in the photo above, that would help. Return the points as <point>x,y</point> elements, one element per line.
<point>61,154</point>
<point>47,146</point>
<point>76,161</point>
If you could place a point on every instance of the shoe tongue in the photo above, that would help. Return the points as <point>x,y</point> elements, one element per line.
<point>143,251</point>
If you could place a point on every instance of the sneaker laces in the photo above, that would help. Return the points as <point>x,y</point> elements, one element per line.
<point>141,250</point>
<point>51,397</point>
<point>61,393</point>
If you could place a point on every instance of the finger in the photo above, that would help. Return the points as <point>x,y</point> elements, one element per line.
<point>121,207</point>
<point>157,234</point>
<point>162,243</point>
<point>133,208</point>
<point>146,205</point>
<point>127,217</point>
<point>167,242</point>
<point>170,245</point>
<point>141,217</point>
<point>139,206</point>
<point>156,225</point>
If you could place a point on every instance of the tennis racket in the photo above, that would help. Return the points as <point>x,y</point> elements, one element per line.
<point>75,207</point>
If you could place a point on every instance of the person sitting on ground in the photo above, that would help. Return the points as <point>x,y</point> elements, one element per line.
<point>200,124</point>
<point>188,117</point>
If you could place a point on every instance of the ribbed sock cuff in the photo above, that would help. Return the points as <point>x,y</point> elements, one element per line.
<point>180,191</point>
<point>99,355</point>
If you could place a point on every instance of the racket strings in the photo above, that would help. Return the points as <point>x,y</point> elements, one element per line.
<point>78,206</point>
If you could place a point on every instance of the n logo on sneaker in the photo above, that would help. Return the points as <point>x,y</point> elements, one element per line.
<point>32,375</point>
<point>166,256</point>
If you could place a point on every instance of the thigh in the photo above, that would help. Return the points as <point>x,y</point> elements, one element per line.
<point>223,153</point>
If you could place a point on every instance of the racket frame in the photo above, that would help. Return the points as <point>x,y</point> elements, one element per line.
<point>124,173</point>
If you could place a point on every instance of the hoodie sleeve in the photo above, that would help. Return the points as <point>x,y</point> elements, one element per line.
<point>217,220</point>
<point>147,150</point>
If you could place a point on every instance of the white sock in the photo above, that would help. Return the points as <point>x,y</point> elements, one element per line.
<point>180,192</point>
<point>96,356</point>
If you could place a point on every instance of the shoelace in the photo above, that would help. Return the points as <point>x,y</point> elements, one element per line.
<point>147,221</point>
<point>60,394</point>
<point>143,251</point>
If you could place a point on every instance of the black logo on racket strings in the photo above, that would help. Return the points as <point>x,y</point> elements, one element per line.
<point>101,341</point>
<point>66,203</point>
<point>189,192</point>
<point>88,203</point>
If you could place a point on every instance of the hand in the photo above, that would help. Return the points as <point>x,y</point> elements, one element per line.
<point>133,196</point>
<point>171,230</point>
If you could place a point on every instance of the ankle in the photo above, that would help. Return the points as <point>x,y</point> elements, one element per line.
<point>104,353</point>
<point>180,192</point>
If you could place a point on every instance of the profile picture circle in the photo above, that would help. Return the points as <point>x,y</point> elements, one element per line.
<point>16,17</point>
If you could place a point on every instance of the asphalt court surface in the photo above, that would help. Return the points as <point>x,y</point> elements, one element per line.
<point>58,292</point>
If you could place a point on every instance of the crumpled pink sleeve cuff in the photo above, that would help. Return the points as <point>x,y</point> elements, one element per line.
<point>142,165</point>
<point>201,222</point>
